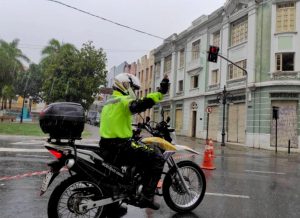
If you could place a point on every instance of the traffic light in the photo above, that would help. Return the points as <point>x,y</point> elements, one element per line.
<point>213,53</point>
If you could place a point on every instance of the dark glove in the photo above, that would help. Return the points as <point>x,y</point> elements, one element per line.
<point>164,85</point>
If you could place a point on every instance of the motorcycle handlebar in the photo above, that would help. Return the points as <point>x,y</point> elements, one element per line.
<point>145,126</point>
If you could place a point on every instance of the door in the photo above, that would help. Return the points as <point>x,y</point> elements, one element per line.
<point>286,124</point>
<point>194,123</point>
<point>213,125</point>
<point>178,120</point>
<point>236,123</point>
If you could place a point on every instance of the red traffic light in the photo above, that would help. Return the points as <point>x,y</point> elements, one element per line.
<point>213,49</point>
<point>213,53</point>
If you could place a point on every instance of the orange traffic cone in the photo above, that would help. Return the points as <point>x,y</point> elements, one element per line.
<point>208,159</point>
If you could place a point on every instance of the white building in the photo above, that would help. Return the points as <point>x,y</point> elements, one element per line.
<point>259,36</point>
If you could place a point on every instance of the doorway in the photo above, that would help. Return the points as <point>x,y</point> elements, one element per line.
<point>194,118</point>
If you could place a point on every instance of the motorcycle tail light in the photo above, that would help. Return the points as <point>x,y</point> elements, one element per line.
<point>55,153</point>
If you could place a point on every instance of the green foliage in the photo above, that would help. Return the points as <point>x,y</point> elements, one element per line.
<point>64,74</point>
<point>71,74</point>
<point>10,59</point>
<point>30,82</point>
<point>28,129</point>
<point>21,129</point>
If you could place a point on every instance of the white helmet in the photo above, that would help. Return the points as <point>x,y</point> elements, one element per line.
<point>126,81</point>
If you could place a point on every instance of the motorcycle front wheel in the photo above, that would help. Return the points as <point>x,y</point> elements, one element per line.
<point>175,195</point>
<point>69,194</point>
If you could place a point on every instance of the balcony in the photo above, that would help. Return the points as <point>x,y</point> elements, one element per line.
<point>285,75</point>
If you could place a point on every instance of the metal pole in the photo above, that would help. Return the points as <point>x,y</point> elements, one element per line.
<point>207,128</point>
<point>246,107</point>
<point>276,135</point>
<point>246,92</point>
<point>223,126</point>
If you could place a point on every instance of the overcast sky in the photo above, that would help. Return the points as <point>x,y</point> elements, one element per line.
<point>35,22</point>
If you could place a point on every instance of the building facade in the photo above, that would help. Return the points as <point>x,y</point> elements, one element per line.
<point>145,68</point>
<point>260,37</point>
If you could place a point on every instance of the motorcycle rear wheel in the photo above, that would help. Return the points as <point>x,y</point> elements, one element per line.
<point>173,192</point>
<point>66,198</point>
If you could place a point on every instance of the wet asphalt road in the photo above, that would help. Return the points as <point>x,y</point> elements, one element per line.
<point>246,182</point>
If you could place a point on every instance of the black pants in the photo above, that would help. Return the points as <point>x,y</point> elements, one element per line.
<point>124,151</point>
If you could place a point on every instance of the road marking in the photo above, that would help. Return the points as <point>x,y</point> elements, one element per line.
<point>23,150</point>
<point>227,195</point>
<point>32,142</point>
<point>20,176</point>
<point>264,172</point>
<point>29,155</point>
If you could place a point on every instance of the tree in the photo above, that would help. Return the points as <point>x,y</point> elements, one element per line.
<point>30,82</point>
<point>52,51</point>
<point>11,58</point>
<point>72,75</point>
<point>7,93</point>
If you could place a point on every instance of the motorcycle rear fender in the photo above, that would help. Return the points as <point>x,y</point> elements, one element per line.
<point>56,165</point>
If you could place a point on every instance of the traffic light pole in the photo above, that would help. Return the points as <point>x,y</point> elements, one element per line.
<point>246,91</point>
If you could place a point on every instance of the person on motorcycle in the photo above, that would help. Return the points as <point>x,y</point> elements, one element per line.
<point>116,132</point>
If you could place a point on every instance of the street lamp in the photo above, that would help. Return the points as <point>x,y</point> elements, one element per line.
<point>223,97</point>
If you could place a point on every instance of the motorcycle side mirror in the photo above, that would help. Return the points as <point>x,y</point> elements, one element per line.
<point>168,119</point>
<point>147,119</point>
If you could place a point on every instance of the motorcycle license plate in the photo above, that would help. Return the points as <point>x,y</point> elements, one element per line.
<point>46,181</point>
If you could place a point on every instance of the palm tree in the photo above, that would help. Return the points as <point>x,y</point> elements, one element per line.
<point>56,58</point>
<point>11,58</point>
<point>8,93</point>
<point>13,55</point>
<point>51,51</point>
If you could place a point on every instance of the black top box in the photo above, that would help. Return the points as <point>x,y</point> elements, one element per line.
<point>63,120</point>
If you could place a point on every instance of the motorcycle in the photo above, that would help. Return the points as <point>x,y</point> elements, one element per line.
<point>95,184</point>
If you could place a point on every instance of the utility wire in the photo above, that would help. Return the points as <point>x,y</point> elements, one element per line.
<point>105,19</point>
